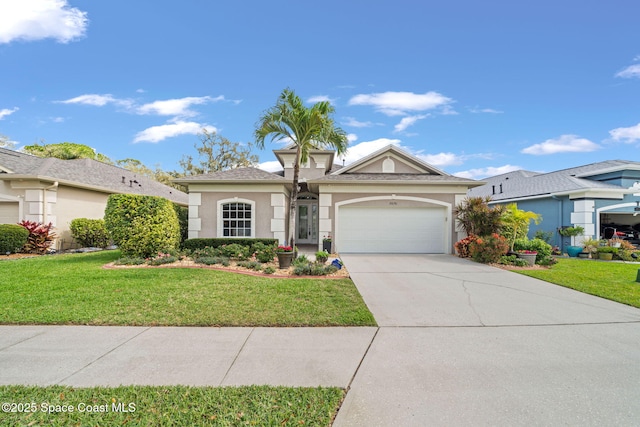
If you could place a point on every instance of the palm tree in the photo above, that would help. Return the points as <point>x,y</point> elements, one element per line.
<point>307,128</point>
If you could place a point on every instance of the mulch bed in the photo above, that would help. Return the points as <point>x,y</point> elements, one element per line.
<point>234,268</point>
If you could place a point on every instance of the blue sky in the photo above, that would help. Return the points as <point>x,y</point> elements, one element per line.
<point>474,88</point>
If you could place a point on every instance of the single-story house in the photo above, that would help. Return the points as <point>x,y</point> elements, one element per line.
<point>58,191</point>
<point>387,202</point>
<point>602,197</point>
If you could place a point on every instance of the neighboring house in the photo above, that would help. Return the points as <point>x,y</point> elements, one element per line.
<point>389,201</point>
<point>57,191</point>
<point>602,197</point>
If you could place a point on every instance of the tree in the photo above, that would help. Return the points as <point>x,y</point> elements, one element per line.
<point>5,143</point>
<point>478,218</point>
<point>515,222</point>
<point>66,151</point>
<point>157,174</point>
<point>307,128</point>
<point>216,153</point>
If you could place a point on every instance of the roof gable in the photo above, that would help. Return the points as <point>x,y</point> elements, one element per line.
<point>401,162</point>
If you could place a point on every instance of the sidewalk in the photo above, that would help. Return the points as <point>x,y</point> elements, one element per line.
<point>85,356</point>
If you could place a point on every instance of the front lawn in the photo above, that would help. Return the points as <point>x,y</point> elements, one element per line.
<point>75,289</point>
<point>610,280</point>
<point>169,406</point>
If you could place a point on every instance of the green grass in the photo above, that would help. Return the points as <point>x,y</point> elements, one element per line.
<point>611,280</point>
<point>75,289</point>
<point>172,406</point>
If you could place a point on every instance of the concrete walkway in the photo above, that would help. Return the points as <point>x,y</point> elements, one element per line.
<point>458,344</point>
<point>84,356</point>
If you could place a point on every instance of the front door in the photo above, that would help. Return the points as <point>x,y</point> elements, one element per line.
<point>307,222</point>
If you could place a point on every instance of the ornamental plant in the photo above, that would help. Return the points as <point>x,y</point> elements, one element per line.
<point>40,238</point>
<point>12,238</point>
<point>489,249</point>
<point>90,232</point>
<point>142,226</point>
<point>462,246</point>
<point>282,248</point>
<point>542,248</point>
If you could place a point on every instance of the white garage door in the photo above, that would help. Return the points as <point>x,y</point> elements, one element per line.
<point>8,213</point>
<point>391,230</point>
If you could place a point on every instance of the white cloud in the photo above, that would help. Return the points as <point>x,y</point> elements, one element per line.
<point>352,122</point>
<point>176,107</point>
<point>486,172</point>
<point>408,121</point>
<point>320,98</point>
<point>7,112</point>
<point>178,127</point>
<point>358,151</point>
<point>563,144</point>
<point>442,159</point>
<point>630,72</point>
<point>352,137</point>
<point>271,166</point>
<point>628,135</point>
<point>97,100</point>
<point>400,103</point>
<point>41,19</point>
<point>478,110</point>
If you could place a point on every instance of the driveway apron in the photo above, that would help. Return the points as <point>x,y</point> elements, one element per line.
<point>462,343</point>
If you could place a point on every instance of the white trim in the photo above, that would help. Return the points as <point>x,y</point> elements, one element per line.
<point>610,208</point>
<point>447,206</point>
<point>219,204</point>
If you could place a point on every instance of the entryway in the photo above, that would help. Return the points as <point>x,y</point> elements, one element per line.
<point>307,222</point>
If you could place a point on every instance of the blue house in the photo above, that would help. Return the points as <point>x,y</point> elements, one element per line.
<point>602,197</point>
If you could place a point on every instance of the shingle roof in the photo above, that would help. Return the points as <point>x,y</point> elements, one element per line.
<point>521,184</point>
<point>240,175</point>
<point>390,177</point>
<point>86,173</point>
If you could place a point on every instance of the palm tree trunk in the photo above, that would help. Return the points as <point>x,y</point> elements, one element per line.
<point>293,200</point>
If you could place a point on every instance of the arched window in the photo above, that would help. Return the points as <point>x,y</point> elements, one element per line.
<point>236,218</point>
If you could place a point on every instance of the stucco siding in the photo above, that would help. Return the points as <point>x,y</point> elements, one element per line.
<point>208,212</point>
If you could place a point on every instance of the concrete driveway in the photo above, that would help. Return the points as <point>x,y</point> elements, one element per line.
<point>465,344</point>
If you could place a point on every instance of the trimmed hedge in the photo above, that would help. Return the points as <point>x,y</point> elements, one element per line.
<point>142,226</point>
<point>216,242</point>
<point>12,238</point>
<point>90,232</point>
<point>183,219</point>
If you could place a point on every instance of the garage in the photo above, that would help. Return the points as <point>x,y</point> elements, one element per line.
<point>391,229</point>
<point>8,212</point>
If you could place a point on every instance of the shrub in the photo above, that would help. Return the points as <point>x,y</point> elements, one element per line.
<point>236,251</point>
<point>90,232</point>
<point>269,270</point>
<point>182,214</point>
<point>462,246</point>
<point>543,248</point>
<point>142,225</point>
<point>130,261</point>
<point>200,243</point>
<point>547,261</point>
<point>264,253</point>
<point>251,265</point>
<point>301,260</point>
<point>212,260</point>
<point>12,238</point>
<point>488,249</point>
<point>40,237</point>
<point>162,258</point>
<point>313,269</point>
